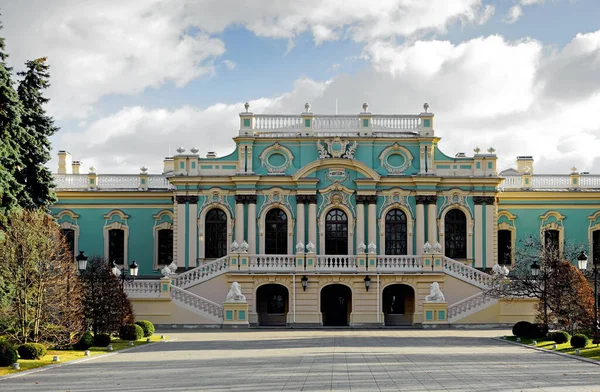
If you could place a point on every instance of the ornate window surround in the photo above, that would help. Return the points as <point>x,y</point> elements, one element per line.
<point>351,224</point>
<point>116,220</point>
<point>67,219</point>
<point>593,226</point>
<point>553,220</point>
<point>290,227</point>
<point>470,224</point>
<point>509,225</point>
<point>202,226</point>
<point>160,223</point>
<point>396,199</point>
<point>279,149</point>
<point>396,149</point>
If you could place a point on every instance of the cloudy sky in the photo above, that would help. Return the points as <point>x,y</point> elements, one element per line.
<point>134,79</point>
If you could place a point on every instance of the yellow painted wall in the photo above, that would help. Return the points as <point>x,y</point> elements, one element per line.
<point>215,289</point>
<point>163,311</point>
<point>455,290</point>
<point>504,312</point>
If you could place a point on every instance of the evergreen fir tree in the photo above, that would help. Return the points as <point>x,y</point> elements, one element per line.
<point>11,191</point>
<point>37,127</point>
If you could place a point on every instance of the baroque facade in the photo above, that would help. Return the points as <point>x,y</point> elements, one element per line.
<point>324,220</point>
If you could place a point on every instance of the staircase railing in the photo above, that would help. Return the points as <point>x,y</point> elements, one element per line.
<point>467,274</point>
<point>142,289</point>
<point>202,273</point>
<point>469,305</point>
<point>197,303</point>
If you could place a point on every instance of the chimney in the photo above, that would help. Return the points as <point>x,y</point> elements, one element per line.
<point>525,164</point>
<point>168,165</point>
<point>64,162</point>
<point>76,166</point>
<point>211,155</point>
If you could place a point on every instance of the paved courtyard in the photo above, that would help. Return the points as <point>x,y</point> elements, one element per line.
<point>320,360</point>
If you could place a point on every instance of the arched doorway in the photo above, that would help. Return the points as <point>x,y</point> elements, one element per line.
<point>336,304</point>
<point>336,232</point>
<point>455,232</point>
<point>272,304</point>
<point>395,233</point>
<point>216,234</point>
<point>276,235</point>
<point>398,304</point>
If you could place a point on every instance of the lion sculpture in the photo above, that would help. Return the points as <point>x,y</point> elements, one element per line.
<point>235,293</point>
<point>435,294</point>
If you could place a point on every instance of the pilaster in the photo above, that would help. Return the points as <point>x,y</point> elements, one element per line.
<point>432,229</point>
<point>300,219</point>
<point>251,199</point>
<point>312,219</point>
<point>420,229</point>
<point>239,218</point>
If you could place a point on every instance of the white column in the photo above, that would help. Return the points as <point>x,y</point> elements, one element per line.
<point>372,222</point>
<point>432,224</point>
<point>478,236</point>
<point>312,222</point>
<point>420,228</point>
<point>239,220</point>
<point>490,235</point>
<point>299,225</point>
<point>181,229</point>
<point>252,226</point>
<point>360,224</point>
<point>193,233</point>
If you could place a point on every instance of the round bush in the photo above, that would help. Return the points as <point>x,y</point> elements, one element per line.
<point>537,331</point>
<point>8,354</point>
<point>560,337</point>
<point>86,341</point>
<point>31,351</point>
<point>579,340</point>
<point>102,340</point>
<point>131,332</point>
<point>147,326</point>
<point>521,328</point>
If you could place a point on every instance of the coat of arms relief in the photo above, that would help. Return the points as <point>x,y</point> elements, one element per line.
<point>336,148</point>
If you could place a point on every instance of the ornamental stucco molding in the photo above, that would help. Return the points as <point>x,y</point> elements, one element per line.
<point>396,149</point>
<point>215,197</point>
<point>396,198</point>
<point>275,197</point>
<point>336,148</point>
<point>279,149</point>
<point>336,194</point>
<point>455,198</point>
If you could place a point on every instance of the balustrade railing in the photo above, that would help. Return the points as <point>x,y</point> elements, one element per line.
<point>110,181</point>
<point>121,181</point>
<point>272,262</point>
<point>156,181</point>
<point>551,181</point>
<point>274,121</point>
<point>195,302</point>
<point>202,273</point>
<point>336,122</point>
<point>332,263</point>
<point>406,122</point>
<point>142,288</point>
<point>469,305</point>
<point>71,181</point>
<point>466,273</point>
<point>399,263</point>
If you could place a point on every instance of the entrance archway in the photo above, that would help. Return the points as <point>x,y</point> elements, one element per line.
<point>398,304</point>
<point>272,304</point>
<point>336,305</point>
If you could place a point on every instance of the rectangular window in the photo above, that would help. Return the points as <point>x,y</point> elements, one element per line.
<point>490,165</point>
<point>552,242</point>
<point>165,247</point>
<point>504,247</point>
<point>69,235</point>
<point>116,246</point>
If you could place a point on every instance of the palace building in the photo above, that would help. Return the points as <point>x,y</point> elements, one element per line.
<point>324,220</point>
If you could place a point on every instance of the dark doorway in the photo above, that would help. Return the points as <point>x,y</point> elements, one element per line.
<point>276,235</point>
<point>552,242</point>
<point>455,230</point>
<point>504,247</point>
<point>398,304</point>
<point>336,304</point>
<point>216,234</point>
<point>595,246</point>
<point>272,304</point>
<point>395,233</point>
<point>336,232</point>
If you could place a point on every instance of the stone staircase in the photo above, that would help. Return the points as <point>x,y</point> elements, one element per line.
<point>202,273</point>
<point>197,304</point>
<point>467,274</point>
<point>468,306</point>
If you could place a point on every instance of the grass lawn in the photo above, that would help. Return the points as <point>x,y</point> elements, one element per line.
<point>591,351</point>
<point>69,355</point>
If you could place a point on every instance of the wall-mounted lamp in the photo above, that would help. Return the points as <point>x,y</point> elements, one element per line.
<point>367,282</point>
<point>304,281</point>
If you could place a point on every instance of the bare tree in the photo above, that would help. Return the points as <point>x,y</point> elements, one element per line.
<point>106,306</point>
<point>45,303</point>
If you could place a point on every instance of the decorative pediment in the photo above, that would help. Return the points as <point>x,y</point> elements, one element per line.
<point>336,194</point>
<point>336,148</point>
<point>395,197</point>
<point>215,196</point>
<point>276,196</point>
<point>455,197</point>
<point>116,216</point>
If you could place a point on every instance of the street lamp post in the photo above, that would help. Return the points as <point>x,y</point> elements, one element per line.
<point>582,261</point>
<point>535,272</point>
<point>122,273</point>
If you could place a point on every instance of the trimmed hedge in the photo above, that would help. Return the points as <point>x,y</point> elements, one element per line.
<point>537,331</point>
<point>31,351</point>
<point>102,340</point>
<point>8,354</point>
<point>131,332</point>
<point>579,340</point>
<point>521,328</point>
<point>147,326</point>
<point>86,341</point>
<point>560,337</point>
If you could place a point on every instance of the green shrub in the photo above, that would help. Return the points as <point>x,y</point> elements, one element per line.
<point>102,340</point>
<point>537,331</point>
<point>579,340</point>
<point>560,337</point>
<point>521,328</point>
<point>147,326</point>
<point>86,341</point>
<point>131,332</point>
<point>31,351</point>
<point>8,354</point>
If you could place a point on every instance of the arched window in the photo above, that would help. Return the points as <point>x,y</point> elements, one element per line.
<point>69,236</point>
<point>276,232</point>
<point>165,246</point>
<point>455,232</point>
<point>216,234</point>
<point>116,246</point>
<point>336,232</point>
<point>395,233</point>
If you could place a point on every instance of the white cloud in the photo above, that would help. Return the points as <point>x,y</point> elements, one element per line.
<point>531,2</point>
<point>229,64</point>
<point>514,13</point>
